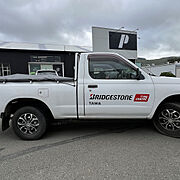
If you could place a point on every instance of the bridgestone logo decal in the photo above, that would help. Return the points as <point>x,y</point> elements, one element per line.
<point>110,97</point>
<point>141,98</point>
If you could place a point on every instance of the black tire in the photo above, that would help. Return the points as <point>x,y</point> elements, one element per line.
<point>167,119</point>
<point>29,123</point>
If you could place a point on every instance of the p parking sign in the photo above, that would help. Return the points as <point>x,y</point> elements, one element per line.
<point>122,41</point>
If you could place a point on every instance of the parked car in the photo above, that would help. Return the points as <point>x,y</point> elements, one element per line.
<point>46,72</point>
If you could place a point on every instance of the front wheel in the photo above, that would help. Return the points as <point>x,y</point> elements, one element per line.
<point>167,119</point>
<point>29,123</point>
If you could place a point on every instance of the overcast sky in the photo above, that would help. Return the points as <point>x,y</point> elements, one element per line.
<point>69,22</point>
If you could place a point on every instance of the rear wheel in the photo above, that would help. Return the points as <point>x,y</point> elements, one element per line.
<point>29,123</point>
<point>167,119</point>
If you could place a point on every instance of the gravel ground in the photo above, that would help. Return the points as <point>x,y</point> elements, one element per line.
<point>91,151</point>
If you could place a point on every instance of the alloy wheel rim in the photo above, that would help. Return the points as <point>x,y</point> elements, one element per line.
<point>169,119</point>
<point>28,123</point>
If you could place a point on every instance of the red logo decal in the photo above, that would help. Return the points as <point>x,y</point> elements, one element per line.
<point>141,98</point>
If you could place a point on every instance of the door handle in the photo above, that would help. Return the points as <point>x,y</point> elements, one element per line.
<point>92,86</point>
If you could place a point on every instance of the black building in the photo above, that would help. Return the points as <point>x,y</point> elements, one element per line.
<point>26,58</point>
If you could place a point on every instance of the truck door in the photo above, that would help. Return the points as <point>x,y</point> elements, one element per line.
<point>112,89</point>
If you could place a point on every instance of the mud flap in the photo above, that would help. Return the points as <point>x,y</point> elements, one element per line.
<point>5,122</point>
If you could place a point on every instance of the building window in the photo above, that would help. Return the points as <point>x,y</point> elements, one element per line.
<point>43,62</point>
<point>5,69</point>
<point>45,59</point>
<point>58,66</point>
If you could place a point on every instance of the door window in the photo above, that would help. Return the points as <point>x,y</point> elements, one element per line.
<point>110,68</point>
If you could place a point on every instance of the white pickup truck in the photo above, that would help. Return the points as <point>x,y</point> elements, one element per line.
<point>105,86</point>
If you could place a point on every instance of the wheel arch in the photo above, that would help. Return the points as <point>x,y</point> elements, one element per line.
<point>170,99</point>
<point>18,103</point>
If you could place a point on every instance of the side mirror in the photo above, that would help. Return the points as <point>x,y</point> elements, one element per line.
<point>139,75</point>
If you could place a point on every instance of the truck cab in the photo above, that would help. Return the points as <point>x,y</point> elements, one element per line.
<point>113,88</point>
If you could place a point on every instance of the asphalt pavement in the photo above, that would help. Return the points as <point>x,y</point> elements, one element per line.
<point>91,150</point>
